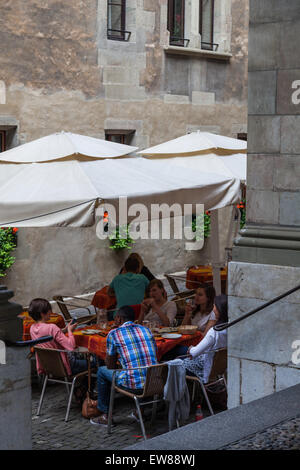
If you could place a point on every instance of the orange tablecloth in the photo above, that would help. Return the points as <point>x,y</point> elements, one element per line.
<point>28,321</point>
<point>102,300</point>
<point>199,274</point>
<point>97,344</point>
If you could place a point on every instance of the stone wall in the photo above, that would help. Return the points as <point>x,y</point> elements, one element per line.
<point>260,347</point>
<point>58,71</point>
<point>266,258</point>
<point>15,401</point>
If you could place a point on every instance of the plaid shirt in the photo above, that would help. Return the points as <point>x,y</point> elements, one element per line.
<point>136,347</point>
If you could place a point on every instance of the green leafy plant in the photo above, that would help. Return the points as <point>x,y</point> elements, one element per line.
<point>8,242</point>
<point>120,238</point>
<point>242,207</point>
<point>199,220</point>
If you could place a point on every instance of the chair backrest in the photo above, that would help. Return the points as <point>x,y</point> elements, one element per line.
<point>172,283</point>
<point>137,311</point>
<point>155,380</point>
<point>219,365</point>
<point>62,307</point>
<point>51,362</point>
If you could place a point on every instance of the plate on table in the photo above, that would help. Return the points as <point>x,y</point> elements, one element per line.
<point>168,329</point>
<point>171,335</point>
<point>90,332</point>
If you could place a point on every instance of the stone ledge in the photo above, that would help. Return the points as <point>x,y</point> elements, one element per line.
<point>193,52</point>
<point>229,426</point>
<point>268,244</point>
<point>269,238</point>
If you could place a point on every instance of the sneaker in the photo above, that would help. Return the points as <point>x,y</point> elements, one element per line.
<point>100,421</point>
<point>133,415</point>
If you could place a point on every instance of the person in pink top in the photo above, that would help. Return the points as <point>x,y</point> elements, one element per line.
<point>40,310</point>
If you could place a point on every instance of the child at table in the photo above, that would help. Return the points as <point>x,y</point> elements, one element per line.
<point>40,310</point>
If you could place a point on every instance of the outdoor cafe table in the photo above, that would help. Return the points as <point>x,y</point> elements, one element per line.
<point>102,300</point>
<point>96,344</point>
<point>199,274</point>
<point>28,321</point>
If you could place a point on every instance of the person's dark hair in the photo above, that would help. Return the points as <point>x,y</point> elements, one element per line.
<point>210,294</point>
<point>37,307</point>
<point>221,303</point>
<point>132,265</point>
<point>126,312</point>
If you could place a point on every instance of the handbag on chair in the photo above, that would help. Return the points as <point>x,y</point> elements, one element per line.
<point>89,406</point>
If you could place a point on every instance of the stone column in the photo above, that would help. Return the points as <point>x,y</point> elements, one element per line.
<point>266,256</point>
<point>15,387</point>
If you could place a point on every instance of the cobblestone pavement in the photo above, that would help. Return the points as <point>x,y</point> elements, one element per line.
<point>284,436</point>
<point>49,430</point>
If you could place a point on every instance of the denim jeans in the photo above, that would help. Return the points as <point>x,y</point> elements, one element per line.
<point>179,350</point>
<point>104,380</point>
<point>78,365</point>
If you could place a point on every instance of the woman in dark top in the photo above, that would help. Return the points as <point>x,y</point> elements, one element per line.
<point>143,269</point>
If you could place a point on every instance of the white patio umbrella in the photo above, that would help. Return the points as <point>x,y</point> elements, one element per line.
<point>66,193</point>
<point>65,146</point>
<point>195,143</point>
<point>209,153</point>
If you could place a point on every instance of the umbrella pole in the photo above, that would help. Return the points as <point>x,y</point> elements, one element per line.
<point>215,251</point>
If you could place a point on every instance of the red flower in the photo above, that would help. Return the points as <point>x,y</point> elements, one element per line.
<point>15,229</point>
<point>105,216</point>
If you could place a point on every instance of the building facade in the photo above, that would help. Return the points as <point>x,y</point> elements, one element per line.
<point>264,349</point>
<point>138,72</point>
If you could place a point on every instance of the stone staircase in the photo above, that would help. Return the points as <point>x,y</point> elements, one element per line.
<point>231,428</point>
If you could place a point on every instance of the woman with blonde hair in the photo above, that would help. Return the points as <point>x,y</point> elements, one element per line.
<point>156,306</point>
<point>142,268</point>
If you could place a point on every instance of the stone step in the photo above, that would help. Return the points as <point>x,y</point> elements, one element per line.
<point>224,428</point>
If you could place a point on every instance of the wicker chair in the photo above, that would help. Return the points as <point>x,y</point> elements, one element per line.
<point>63,306</point>
<point>156,378</point>
<point>217,376</point>
<point>51,362</point>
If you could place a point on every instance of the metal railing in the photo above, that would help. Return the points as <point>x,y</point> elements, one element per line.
<point>209,46</point>
<point>178,41</point>
<point>224,326</point>
<point>121,36</point>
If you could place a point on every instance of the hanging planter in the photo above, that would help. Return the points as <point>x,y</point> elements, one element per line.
<point>121,239</point>
<point>206,225</point>
<point>8,242</point>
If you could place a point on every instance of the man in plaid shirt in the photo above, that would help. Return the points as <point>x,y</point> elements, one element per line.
<point>133,346</point>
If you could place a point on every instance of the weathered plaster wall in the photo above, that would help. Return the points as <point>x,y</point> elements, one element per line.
<point>50,45</point>
<point>73,261</point>
<point>58,71</point>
